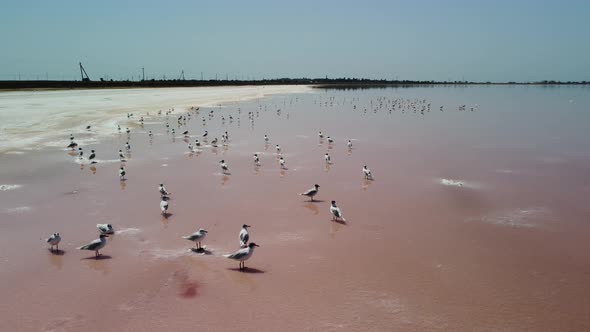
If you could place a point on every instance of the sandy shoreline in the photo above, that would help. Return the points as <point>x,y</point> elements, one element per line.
<point>506,251</point>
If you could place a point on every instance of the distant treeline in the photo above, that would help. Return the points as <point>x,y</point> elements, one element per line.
<point>342,83</point>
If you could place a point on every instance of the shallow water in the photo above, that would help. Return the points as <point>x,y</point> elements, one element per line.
<point>475,220</point>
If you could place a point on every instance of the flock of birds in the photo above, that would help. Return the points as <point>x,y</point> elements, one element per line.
<point>246,247</point>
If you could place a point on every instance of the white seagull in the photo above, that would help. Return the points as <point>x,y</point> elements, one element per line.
<point>164,205</point>
<point>244,236</point>
<point>92,156</point>
<point>54,240</point>
<point>122,173</point>
<point>266,138</point>
<point>197,237</point>
<point>256,160</point>
<point>327,158</point>
<point>336,213</point>
<point>127,146</point>
<point>243,254</point>
<point>367,173</point>
<point>349,144</point>
<point>278,148</point>
<point>282,162</point>
<point>121,155</point>
<point>72,145</point>
<point>105,228</point>
<point>163,190</point>
<point>205,133</point>
<point>320,135</point>
<point>96,245</point>
<point>224,167</point>
<point>311,192</point>
<point>330,140</point>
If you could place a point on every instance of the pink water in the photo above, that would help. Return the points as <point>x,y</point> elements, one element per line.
<point>506,250</point>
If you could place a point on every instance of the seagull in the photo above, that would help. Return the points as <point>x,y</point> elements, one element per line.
<point>150,134</point>
<point>54,240</point>
<point>164,205</point>
<point>119,128</point>
<point>127,146</point>
<point>197,237</point>
<point>92,155</point>
<point>205,133</point>
<point>72,137</point>
<point>311,192</point>
<point>122,173</point>
<point>105,228</point>
<point>336,213</point>
<point>244,236</point>
<point>224,167</point>
<point>72,145</point>
<point>256,160</point>
<point>349,144</point>
<point>367,173</point>
<point>80,152</point>
<point>121,155</point>
<point>243,254</point>
<point>214,142</point>
<point>197,143</point>
<point>96,245</point>
<point>87,127</point>
<point>320,135</point>
<point>330,140</point>
<point>266,138</point>
<point>185,133</point>
<point>127,130</point>
<point>327,157</point>
<point>163,190</point>
<point>278,148</point>
<point>282,162</point>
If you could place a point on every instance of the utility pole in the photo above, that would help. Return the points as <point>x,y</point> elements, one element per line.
<point>201,76</point>
<point>143,73</point>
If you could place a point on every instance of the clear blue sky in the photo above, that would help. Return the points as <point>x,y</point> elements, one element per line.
<point>475,40</point>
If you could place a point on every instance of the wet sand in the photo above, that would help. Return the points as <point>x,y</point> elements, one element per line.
<point>506,250</point>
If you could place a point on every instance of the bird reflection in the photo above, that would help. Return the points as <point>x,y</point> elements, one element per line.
<point>224,180</point>
<point>366,183</point>
<point>312,207</point>
<point>335,227</point>
<point>56,258</point>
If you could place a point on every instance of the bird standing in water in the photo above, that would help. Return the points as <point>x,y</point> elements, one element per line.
<point>336,213</point>
<point>243,254</point>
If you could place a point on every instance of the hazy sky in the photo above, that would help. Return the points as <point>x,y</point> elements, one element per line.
<point>440,40</point>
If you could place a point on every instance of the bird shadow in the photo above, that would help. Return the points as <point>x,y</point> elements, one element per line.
<point>97,258</point>
<point>167,215</point>
<point>340,221</point>
<point>57,252</point>
<point>246,270</point>
<point>314,201</point>
<point>202,251</point>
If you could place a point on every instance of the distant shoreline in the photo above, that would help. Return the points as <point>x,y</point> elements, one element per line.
<point>317,83</point>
